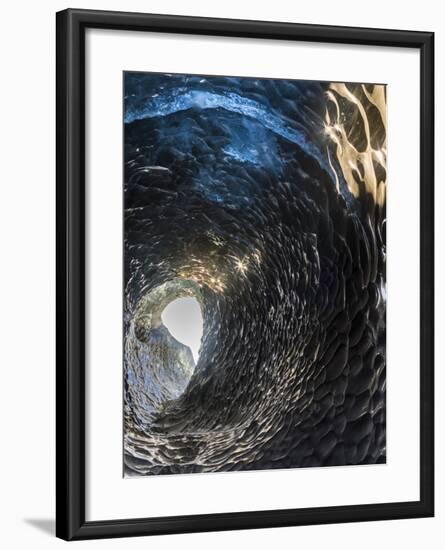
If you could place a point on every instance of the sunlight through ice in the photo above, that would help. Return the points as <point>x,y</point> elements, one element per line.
<point>183,318</point>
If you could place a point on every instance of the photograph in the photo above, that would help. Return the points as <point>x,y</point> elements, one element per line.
<point>254,307</point>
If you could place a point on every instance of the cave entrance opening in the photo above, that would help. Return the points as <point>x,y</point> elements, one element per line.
<point>183,319</point>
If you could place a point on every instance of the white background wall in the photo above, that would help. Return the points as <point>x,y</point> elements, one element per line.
<point>27,272</point>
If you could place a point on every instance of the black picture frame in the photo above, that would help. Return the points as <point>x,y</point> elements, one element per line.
<point>70,376</point>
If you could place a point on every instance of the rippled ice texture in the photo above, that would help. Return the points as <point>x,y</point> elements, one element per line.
<point>236,195</point>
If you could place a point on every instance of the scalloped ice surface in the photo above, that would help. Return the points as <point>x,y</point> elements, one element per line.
<point>231,198</point>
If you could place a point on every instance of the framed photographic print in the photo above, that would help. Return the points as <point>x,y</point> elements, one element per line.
<point>244,274</point>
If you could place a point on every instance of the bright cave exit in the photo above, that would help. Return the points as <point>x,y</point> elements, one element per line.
<point>183,319</point>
